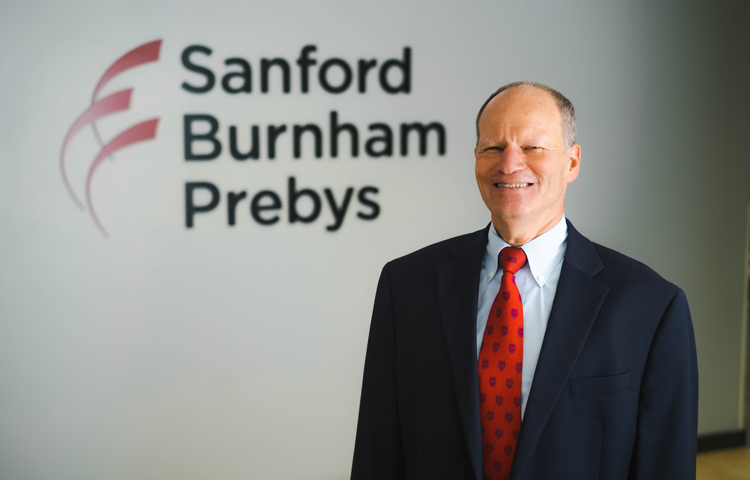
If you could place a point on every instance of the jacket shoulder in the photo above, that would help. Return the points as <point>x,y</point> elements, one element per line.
<point>624,270</point>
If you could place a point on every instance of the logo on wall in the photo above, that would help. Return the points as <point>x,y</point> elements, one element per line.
<point>102,107</point>
<point>207,139</point>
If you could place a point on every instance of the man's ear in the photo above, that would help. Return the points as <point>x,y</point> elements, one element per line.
<point>574,159</point>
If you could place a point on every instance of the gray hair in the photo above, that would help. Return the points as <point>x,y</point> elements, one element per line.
<point>567,112</point>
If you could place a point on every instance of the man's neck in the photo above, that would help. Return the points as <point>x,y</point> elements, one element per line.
<point>517,233</point>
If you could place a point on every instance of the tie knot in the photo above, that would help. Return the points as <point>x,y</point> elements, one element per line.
<point>511,259</point>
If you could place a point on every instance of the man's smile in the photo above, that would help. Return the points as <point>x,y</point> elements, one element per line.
<point>512,185</point>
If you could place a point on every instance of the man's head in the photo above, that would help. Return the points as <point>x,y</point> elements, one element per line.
<point>525,157</point>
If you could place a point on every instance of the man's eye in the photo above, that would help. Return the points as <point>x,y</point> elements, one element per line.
<point>531,147</point>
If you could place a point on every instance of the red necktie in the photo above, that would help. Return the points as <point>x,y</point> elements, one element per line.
<point>500,366</point>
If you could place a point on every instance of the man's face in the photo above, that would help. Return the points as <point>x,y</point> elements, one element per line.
<point>522,164</point>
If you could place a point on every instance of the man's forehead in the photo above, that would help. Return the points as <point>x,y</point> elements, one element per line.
<point>524,109</point>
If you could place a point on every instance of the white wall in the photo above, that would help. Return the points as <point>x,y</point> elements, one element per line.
<point>236,352</point>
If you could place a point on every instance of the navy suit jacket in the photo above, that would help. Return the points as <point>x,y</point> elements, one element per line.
<point>614,395</point>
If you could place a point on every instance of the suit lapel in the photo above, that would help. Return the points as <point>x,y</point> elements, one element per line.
<point>458,286</point>
<point>577,302</point>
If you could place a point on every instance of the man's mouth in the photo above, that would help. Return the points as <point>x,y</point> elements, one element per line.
<point>512,185</point>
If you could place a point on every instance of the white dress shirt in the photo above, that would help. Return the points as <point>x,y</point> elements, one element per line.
<point>537,283</point>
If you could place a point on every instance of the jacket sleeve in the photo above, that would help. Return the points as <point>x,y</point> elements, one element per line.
<point>378,451</point>
<point>668,406</point>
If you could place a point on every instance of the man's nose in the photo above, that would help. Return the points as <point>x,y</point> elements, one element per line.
<point>511,160</point>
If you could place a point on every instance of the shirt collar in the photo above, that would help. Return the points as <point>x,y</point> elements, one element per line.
<point>543,253</point>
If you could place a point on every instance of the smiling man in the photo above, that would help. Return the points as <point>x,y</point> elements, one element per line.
<point>523,350</point>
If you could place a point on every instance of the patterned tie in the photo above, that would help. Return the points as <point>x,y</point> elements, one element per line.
<point>500,366</point>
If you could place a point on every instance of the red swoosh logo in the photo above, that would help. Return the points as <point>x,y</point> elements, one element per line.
<point>117,102</point>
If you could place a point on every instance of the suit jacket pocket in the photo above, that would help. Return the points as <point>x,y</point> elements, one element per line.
<point>599,385</point>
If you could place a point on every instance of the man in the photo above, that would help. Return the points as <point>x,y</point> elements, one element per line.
<point>523,350</point>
